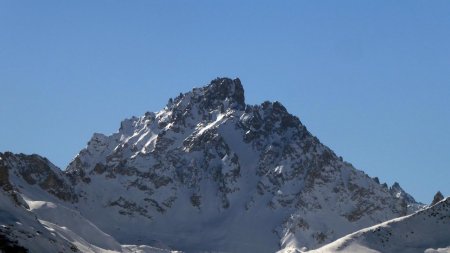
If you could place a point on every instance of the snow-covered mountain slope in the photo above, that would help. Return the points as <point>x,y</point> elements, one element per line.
<point>47,225</point>
<point>425,231</point>
<point>20,229</point>
<point>412,205</point>
<point>206,173</point>
<point>209,172</point>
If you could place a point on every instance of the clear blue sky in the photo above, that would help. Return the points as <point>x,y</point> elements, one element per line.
<point>371,79</point>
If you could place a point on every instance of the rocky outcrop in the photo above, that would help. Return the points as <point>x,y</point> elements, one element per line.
<point>35,170</point>
<point>437,197</point>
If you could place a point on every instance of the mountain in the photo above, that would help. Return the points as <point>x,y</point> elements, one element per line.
<point>206,173</point>
<point>412,205</point>
<point>425,231</point>
<point>36,215</point>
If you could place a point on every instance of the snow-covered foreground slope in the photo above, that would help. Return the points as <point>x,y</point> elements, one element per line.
<point>208,173</point>
<point>20,229</point>
<point>425,231</point>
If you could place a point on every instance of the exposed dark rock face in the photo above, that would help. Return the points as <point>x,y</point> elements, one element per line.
<point>437,197</point>
<point>4,175</point>
<point>223,89</point>
<point>397,190</point>
<point>9,246</point>
<point>35,170</point>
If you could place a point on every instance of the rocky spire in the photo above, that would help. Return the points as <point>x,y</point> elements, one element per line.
<point>437,197</point>
<point>225,88</point>
<point>397,191</point>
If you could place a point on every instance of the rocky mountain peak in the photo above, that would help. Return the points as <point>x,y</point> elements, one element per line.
<point>225,89</point>
<point>35,170</point>
<point>437,197</point>
<point>397,191</point>
<point>219,94</point>
<point>211,155</point>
